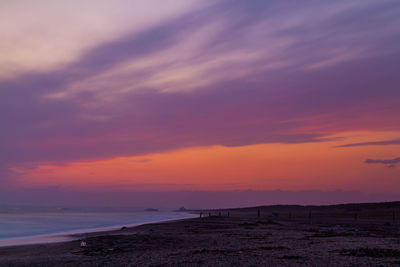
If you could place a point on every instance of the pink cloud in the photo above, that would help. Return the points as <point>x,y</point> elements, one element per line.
<point>233,107</point>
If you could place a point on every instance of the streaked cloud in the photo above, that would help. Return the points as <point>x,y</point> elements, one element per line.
<point>56,33</point>
<point>390,163</point>
<point>115,82</point>
<point>375,143</point>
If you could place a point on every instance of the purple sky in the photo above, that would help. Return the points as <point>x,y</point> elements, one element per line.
<point>195,74</point>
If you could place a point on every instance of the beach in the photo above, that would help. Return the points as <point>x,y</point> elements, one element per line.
<point>199,133</point>
<point>261,236</point>
<point>22,226</point>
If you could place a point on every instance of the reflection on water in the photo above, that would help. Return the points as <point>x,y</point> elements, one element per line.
<point>41,225</point>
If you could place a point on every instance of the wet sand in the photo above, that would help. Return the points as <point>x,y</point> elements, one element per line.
<point>345,235</point>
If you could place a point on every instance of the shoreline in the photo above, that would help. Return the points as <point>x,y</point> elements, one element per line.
<point>327,236</point>
<point>71,235</point>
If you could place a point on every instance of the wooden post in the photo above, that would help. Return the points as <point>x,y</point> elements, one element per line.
<point>219,214</point>
<point>258,213</point>
<point>201,214</point>
<point>228,213</point>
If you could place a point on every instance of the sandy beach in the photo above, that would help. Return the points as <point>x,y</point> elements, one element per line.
<point>345,235</point>
<point>155,133</point>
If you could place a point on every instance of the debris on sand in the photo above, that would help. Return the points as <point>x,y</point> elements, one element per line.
<point>371,252</point>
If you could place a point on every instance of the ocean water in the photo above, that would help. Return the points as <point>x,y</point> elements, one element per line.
<point>43,225</point>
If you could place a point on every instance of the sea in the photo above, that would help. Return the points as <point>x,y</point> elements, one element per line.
<point>35,225</point>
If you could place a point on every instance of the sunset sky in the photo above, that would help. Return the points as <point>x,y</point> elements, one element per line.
<point>194,95</point>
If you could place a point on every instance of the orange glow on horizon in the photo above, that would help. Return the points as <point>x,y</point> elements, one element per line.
<point>304,166</point>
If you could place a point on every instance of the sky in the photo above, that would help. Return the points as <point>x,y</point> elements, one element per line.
<point>198,97</point>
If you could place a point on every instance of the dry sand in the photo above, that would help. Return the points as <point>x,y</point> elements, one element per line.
<point>346,235</point>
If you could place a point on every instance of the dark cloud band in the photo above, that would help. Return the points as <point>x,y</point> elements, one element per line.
<point>390,163</point>
<point>378,143</point>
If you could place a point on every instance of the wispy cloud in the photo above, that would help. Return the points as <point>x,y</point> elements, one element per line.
<point>41,40</point>
<point>233,73</point>
<point>390,163</point>
<point>375,143</point>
